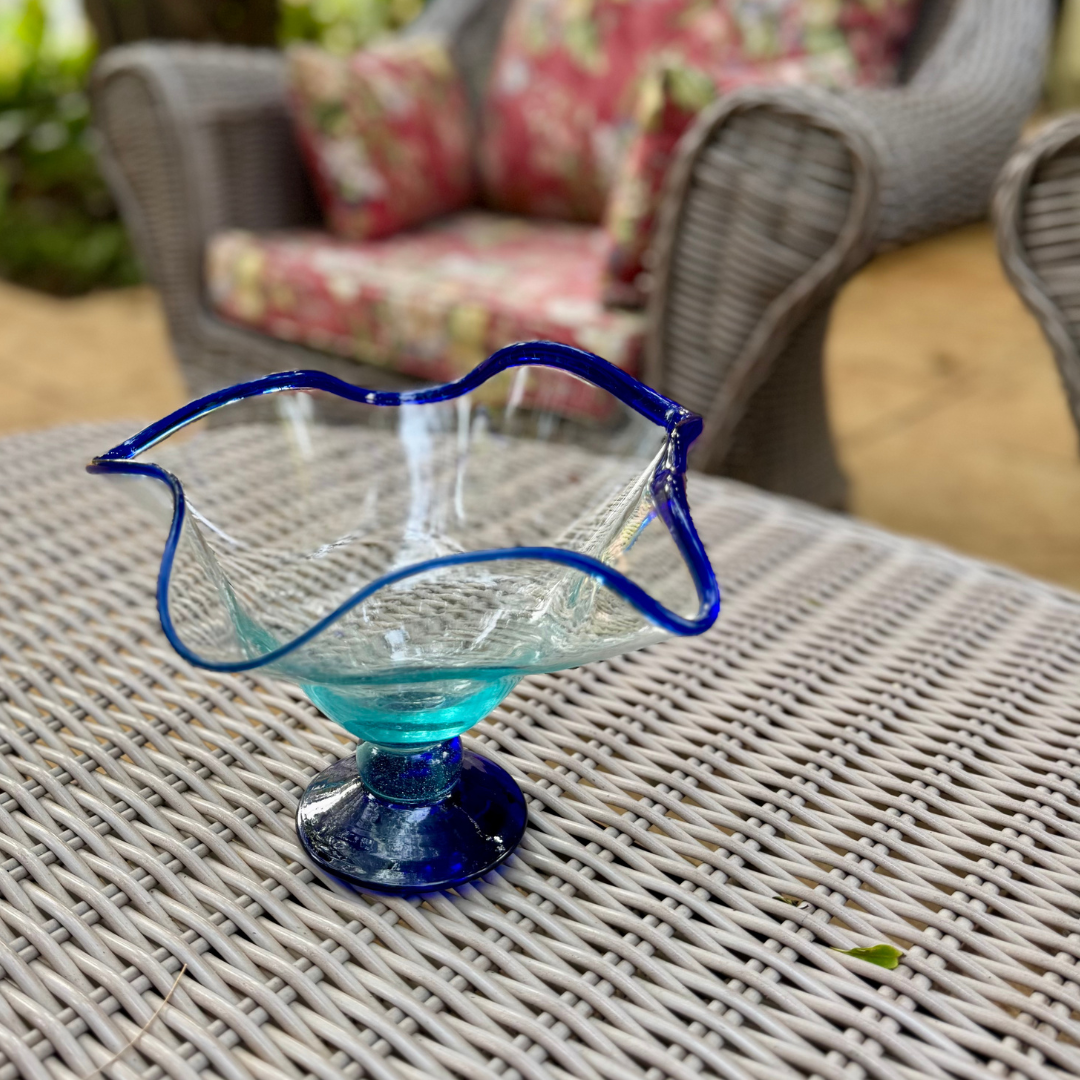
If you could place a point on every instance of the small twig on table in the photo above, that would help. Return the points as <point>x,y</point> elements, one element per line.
<point>142,1031</point>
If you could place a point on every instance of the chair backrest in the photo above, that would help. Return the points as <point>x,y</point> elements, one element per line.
<point>934,16</point>
<point>473,29</point>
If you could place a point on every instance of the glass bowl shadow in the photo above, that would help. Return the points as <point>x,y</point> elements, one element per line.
<point>407,557</point>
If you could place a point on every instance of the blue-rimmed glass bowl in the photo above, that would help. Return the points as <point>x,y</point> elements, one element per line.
<point>407,557</point>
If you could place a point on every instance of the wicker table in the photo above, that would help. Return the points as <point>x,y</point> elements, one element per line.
<point>882,732</point>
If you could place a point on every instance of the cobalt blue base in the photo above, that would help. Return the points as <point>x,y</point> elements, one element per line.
<point>395,848</point>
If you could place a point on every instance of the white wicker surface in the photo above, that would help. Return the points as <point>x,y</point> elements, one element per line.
<point>877,728</point>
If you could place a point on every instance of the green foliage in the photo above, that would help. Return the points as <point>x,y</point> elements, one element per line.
<point>886,956</point>
<point>58,227</point>
<point>343,25</point>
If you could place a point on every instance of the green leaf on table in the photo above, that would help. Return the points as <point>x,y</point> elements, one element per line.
<point>886,956</point>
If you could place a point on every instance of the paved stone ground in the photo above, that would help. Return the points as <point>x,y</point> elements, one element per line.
<point>101,357</point>
<point>951,421</point>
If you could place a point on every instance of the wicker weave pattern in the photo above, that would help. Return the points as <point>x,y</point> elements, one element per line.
<point>1037,214</point>
<point>780,197</point>
<point>881,730</point>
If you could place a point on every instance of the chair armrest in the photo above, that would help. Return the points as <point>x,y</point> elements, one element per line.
<point>194,139</point>
<point>778,195</point>
<point>1037,218</point>
<point>771,203</point>
<point>943,136</point>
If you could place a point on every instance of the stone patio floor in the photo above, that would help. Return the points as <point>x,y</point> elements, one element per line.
<point>950,418</point>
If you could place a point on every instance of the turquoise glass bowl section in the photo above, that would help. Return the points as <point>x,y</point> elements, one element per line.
<point>414,713</point>
<point>406,558</point>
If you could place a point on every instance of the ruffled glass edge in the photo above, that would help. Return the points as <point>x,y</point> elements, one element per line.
<point>668,485</point>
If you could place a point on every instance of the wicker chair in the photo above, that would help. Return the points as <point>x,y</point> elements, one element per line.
<point>1037,215</point>
<point>777,198</point>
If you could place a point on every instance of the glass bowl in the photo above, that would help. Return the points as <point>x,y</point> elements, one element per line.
<point>406,558</point>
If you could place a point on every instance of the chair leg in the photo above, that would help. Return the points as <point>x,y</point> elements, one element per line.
<point>783,442</point>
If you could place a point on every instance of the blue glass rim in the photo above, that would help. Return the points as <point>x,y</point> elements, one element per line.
<point>668,485</point>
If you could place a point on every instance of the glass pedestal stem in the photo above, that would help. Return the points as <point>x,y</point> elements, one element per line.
<point>409,775</point>
<point>408,818</point>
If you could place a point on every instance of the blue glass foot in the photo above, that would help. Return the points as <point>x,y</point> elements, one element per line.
<point>408,848</point>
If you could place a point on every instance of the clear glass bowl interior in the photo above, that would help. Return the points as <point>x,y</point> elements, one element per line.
<point>302,508</point>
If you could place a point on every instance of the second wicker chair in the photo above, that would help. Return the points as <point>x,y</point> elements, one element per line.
<point>1037,216</point>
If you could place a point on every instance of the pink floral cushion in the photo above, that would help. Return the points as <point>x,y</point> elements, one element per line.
<point>433,302</point>
<point>386,134</point>
<point>675,86</point>
<point>567,75</point>
<point>669,98</point>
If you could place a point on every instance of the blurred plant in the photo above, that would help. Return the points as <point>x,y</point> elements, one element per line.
<point>342,25</point>
<point>235,22</point>
<point>59,230</point>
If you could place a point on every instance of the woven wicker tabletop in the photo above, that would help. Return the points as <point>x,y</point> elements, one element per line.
<point>881,732</point>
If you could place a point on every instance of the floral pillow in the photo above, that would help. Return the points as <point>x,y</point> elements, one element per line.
<point>561,84</point>
<point>859,43</point>
<point>386,134</point>
<point>670,96</point>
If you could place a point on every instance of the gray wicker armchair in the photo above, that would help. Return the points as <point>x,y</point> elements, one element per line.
<point>1037,215</point>
<point>777,198</point>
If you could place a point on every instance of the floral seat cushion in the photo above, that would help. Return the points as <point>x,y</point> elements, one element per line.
<point>432,302</point>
